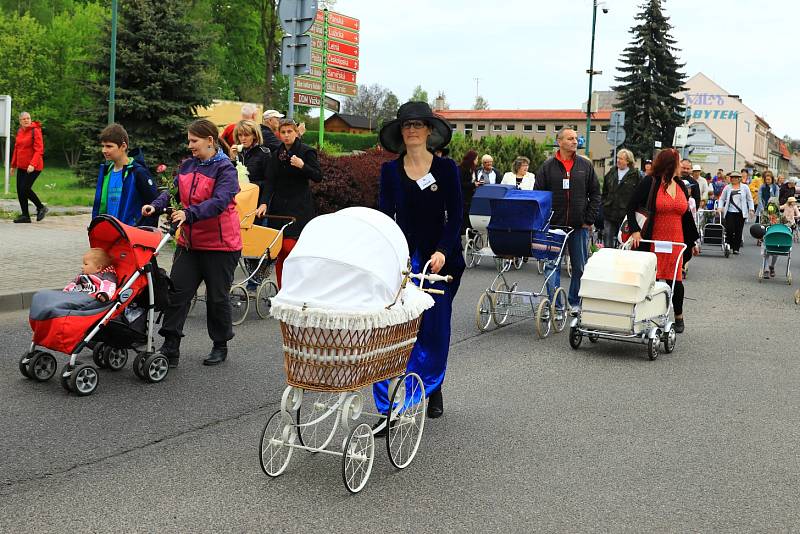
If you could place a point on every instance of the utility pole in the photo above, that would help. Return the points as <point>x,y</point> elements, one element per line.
<point>591,75</point>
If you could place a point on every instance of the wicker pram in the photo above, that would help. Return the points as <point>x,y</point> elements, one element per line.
<point>357,323</point>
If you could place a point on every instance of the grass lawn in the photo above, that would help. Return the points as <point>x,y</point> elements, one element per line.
<point>56,186</point>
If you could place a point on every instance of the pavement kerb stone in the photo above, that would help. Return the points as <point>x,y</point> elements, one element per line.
<point>20,300</point>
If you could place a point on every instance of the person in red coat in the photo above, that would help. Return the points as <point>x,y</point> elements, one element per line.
<point>28,161</point>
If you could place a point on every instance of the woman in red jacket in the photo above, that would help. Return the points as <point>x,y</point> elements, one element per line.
<point>28,161</point>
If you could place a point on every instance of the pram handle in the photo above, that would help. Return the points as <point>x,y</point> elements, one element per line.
<point>672,244</point>
<point>430,277</point>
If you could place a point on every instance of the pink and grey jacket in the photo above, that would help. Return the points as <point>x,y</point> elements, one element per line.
<point>207,191</point>
<point>100,285</point>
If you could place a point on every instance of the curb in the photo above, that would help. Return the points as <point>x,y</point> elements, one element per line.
<point>16,301</point>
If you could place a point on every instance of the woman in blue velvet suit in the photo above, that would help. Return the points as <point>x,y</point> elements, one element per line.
<point>422,193</point>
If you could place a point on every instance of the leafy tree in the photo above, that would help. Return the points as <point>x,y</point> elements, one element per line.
<point>23,61</point>
<point>162,78</point>
<point>388,108</point>
<point>419,94</point>
<point>503,148</point>
<point>480,103</point>
<point>652,76</point>
<point>374,102</point>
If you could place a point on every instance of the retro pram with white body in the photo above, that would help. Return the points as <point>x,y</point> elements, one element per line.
<point>622,301</point>
<point>349,329</point>
<point>476,244</point>
<point>69,322</point>
<point>777,241</point>
<point>519,228</point>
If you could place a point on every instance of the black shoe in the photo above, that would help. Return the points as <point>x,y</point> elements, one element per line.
<point>217,355</point>
<point>171,348</point>
<point>679,326</point>
<point>22,219</point>
<point>435,404</point>
<point>40,213</point>
<point>383,431</point>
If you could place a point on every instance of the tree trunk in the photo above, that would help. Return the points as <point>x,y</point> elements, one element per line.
<point>270,53</point>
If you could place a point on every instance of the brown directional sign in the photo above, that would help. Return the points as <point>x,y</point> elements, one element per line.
<point>342,62</point>
<point>314,86</point>
<point>337,19</point>
<point>313,101</point>
<point>340,88</point>
<point>346,36</point>
<point>333,74</point>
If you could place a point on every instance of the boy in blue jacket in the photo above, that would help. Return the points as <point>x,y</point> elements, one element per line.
<point>124,184</point>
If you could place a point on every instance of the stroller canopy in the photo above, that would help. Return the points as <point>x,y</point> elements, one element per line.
<point>130,248</point>
<point>778,239</point>
<point>351,261</point>
<point>521,210</point>
<point>480,200</point>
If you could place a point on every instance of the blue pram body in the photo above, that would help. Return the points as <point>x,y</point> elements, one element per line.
<point>520,226</point>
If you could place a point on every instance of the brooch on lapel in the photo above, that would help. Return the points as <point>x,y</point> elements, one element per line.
<point>434,188</point>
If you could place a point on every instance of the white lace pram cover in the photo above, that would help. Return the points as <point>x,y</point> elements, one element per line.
<point>343,272</point>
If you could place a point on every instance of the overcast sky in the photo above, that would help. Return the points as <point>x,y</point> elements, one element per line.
<point>534,53</point>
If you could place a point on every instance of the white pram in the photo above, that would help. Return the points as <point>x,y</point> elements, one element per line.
<point>349,318</point>
<point>621,299</point>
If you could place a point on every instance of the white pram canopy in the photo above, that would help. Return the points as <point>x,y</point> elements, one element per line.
<point>343,272</point>
<point>619,275</point>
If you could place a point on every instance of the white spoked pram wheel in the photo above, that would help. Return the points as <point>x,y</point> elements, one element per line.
<point>276,441</point>
<point>318,419</point>
<point>357,457</point>
<point>406,420</point>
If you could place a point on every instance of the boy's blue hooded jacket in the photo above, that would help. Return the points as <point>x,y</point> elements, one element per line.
<point>138,189</point>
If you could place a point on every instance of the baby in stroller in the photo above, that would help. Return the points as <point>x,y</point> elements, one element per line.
<point>98,278</point>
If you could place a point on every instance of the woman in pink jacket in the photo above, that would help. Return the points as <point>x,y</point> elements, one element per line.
<point>28,161</point>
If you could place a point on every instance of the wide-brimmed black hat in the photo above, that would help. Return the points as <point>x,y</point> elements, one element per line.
<point>391,137</point>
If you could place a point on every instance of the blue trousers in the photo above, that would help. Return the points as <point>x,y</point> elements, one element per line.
<point>578,250</point>
<point>429,355</point>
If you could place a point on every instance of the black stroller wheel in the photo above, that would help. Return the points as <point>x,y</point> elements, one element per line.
<point>100,355</point>
<point>42,366</point>
<point>116,359</point>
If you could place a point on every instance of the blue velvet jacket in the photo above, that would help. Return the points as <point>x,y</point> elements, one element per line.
<point>429,218</point>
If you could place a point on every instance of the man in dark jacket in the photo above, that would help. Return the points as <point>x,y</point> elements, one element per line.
<point>618,185</point>
<point>487,173</point>
<point>576,201</point>
<point>269,126</point>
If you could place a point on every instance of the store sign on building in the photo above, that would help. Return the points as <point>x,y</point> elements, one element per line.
<point>697,105</point>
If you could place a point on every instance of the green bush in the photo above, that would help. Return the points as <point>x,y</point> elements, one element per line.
<point>347,141</point>
<point>503,148</point>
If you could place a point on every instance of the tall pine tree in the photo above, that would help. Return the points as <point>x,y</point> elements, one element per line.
<point>162,78</point>
<point>652,76</point>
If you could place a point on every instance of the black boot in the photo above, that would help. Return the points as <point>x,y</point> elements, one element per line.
<point>435,404</point>
<point>22,219</point>
<point>41,212</point>
<point>171,348</point>
<point>679,326</point>
<point>217,355</point>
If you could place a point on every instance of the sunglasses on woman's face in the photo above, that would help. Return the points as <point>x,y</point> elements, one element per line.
<point>417,125</point>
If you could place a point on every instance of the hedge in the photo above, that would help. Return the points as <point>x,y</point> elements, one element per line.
<point>504,149</point>
<point>351,180</point>
<point>347,141</point>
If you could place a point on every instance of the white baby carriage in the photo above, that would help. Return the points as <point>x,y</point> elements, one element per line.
<point>621,299</point>
<point>476,238</point>
<point>519,228</point>
<point>350,328</point>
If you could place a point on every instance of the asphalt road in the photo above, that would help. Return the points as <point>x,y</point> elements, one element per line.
<point>535,436</point>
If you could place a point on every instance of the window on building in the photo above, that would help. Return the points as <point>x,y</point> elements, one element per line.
<point>593,128</point>
<point>528,127</point>
<point>558,127</point>
<point>481,127</point>
<point>468,127</point>
<point>574,127</point>
<point>541,128</point>
<point>604,128</point>
<point>510,127</point>
<point>497,127</point>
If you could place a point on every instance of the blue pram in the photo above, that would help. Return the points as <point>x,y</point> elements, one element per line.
<point>519,227</point>
<point>476,243</point>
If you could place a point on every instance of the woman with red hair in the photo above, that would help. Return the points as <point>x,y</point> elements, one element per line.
<point>664,197</point>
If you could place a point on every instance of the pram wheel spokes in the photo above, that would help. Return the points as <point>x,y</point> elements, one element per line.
<point>266,290</point>
<point>575,337</point>
<point>42,366</point>
<point>669,338</point>
<point>543,319</point>
<point>358,457</point>
<point>485,312</point>
<point>240,304</point>
<point>559,309</point>
<point>406,420</point>
<point>276,444</point>
<point>82,379</point>
<point>108,357</point>
<point>317,419</point>
<point>653,344</point>
<point>502,302</point>
<point>155,368</point>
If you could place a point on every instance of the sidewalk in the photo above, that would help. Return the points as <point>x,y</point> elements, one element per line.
<point>43,255</point>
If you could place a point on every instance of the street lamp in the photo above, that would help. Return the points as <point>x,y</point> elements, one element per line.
<point>591,72</point>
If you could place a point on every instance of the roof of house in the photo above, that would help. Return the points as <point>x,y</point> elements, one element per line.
<point>522,114</point>
<point>354,121</point>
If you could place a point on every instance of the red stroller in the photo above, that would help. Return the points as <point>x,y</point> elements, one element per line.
<point>69,322</point>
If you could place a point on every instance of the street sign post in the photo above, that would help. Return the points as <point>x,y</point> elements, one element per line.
<point>617,118</point>
<point>5,131</point>
<point>616,136</point>
<point>296,17</point>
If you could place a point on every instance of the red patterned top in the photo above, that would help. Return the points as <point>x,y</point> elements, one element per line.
<point>668,227</point>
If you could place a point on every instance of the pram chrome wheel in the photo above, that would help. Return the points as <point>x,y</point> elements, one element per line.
<point>406,420</point>
<point>518,263</point>
<point>668,339</point>
<point>484,312</point>
<point>540,266</point>
<point>276,440</point>
<point>240,304</point>
<point>653,344</point>
<point>155,368</point>
<point>502,303</point>
<point>317,419</point>
<point>469,254</point>
<point>543,319</point>
<point>357,458</point>
<point>760,275</point>
<point>727,250</point>
<point>266,290</point>
<point>575,337</point>
<point>42,366</point>
<point>82,380</point>
<point>559,309</point>
<point>797,297</point>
